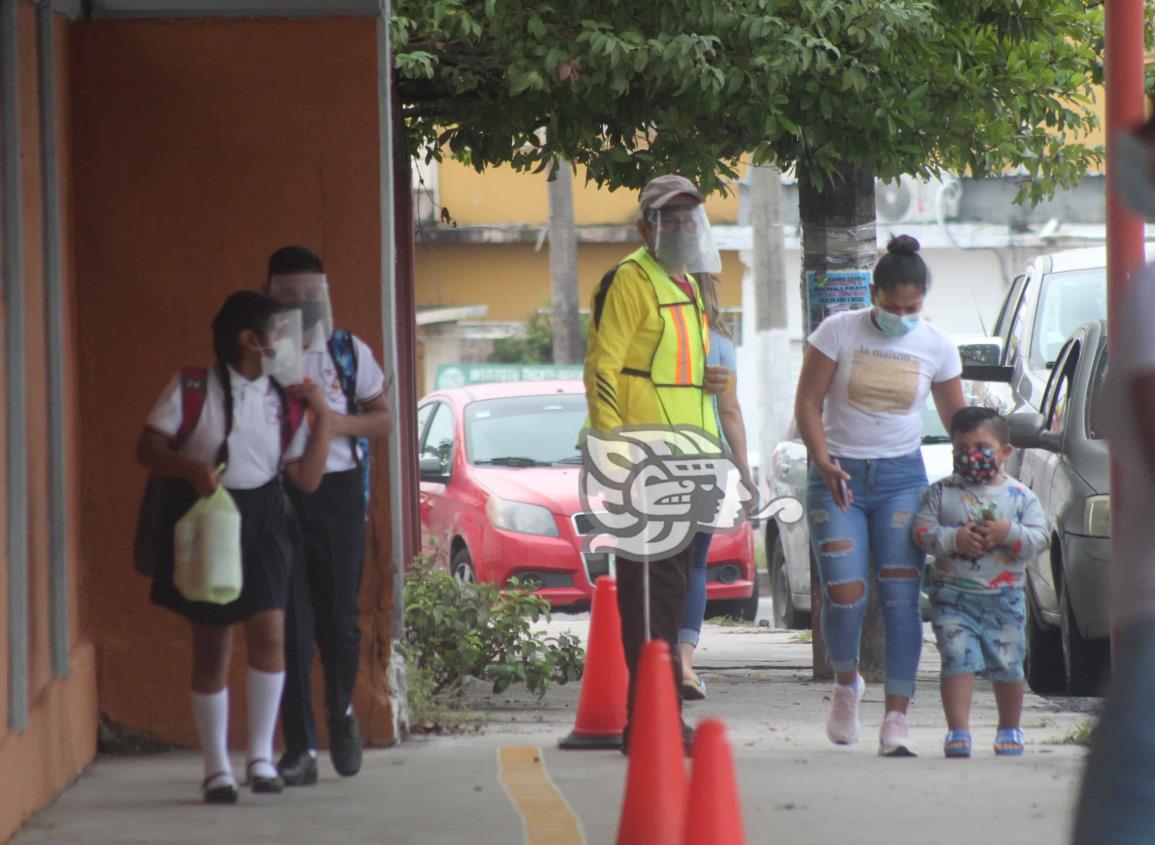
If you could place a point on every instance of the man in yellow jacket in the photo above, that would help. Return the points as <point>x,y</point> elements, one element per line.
<point>646,366</point>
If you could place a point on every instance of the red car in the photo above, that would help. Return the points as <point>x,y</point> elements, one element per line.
<point>500,498</point>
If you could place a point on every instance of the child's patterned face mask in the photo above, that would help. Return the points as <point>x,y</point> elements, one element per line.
<point>977,465</point>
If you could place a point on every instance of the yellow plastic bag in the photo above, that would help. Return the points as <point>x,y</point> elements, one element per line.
<point>207,550</point>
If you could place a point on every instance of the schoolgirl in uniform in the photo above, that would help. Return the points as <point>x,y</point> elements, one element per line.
<point>242,425</point>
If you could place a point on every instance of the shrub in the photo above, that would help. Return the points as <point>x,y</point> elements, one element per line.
<point>455,631</point>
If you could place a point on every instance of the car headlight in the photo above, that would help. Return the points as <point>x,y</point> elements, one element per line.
<point>1097,516</point>
<point>521,517</point>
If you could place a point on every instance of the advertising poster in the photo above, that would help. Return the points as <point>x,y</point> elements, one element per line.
<point>834,291</point>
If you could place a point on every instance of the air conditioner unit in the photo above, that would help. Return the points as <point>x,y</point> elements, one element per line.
<point>912,200</point>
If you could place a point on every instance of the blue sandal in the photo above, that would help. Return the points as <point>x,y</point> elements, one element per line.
<point>1009,742</point>
<point>957,744</point>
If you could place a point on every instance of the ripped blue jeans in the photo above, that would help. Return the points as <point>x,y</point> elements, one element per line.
<point>873,535</point>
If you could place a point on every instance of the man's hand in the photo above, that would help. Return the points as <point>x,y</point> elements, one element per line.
<point>969,542</point>
<point>204,479</point>
<point>994,532</point>
<point>717,379</point>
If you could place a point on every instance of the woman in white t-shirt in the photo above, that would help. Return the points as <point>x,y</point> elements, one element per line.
<point>864,380</point>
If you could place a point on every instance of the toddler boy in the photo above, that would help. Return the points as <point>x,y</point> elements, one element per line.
<point>982,528</point>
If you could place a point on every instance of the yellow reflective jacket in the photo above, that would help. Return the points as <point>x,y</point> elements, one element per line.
<point>647,351</point>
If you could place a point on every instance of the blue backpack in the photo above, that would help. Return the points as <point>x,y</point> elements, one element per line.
<point>344,353</point>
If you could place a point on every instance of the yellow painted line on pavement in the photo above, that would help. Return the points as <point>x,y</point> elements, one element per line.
<point>546,817</point>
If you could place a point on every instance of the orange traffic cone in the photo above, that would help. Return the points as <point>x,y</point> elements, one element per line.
<point>601,714</point>
<point>653,812</point>
<point>717,815</point>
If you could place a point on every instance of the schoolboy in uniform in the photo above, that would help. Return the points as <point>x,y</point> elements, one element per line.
<point>325,586</point>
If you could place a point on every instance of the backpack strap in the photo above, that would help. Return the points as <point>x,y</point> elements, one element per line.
<point>193,391</point>
<point>344,353</point>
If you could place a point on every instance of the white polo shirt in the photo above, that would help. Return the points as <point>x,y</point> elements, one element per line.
<point>321,370</point>
<point>255,440</point>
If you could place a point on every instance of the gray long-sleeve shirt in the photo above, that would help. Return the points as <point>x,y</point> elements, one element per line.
<point>951,503</point>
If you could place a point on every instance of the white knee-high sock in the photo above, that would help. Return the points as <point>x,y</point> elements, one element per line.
<point>211,712</point>
<point>264,690</point>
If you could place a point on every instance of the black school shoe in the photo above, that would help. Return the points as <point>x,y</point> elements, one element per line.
<point>298,768</point>
<point>225,794</point>
<point>263,784</point>
<point>345,745</point>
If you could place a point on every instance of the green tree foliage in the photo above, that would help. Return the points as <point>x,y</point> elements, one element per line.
<point>629,89</point>
<point>536,345</point>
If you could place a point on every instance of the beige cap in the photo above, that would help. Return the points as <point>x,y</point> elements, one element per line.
<point>661,189</point>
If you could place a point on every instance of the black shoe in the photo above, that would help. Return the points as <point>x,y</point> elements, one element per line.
<point>298,768</point>
<point>345,745</point>
<point>224,794</point>
<point>263,784</point>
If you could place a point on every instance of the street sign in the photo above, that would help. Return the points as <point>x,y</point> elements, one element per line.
<point>459,375</point>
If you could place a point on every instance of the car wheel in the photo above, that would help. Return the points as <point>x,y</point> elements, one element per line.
<point>462,567</point>
<point>1046,674</point>
<point>786,615</point>
<point>1085,661</point>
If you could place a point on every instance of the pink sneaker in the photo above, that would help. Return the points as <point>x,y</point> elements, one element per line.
<point>894,739</point>
<point>842,724</point>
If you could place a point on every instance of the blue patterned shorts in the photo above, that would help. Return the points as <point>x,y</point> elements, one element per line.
<point>980,633</point>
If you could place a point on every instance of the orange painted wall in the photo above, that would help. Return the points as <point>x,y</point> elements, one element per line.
<point>61,736</point>
<point>200,147</point>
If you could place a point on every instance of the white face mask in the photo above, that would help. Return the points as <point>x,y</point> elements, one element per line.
<point>283,362</point>
<point>1131,170</point>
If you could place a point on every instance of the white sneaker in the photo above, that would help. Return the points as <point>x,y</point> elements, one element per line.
<point>842,725</point>
<point>894,738</point>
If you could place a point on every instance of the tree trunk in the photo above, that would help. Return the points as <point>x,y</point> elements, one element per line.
<point>563,268</point>
<point>839,248</point>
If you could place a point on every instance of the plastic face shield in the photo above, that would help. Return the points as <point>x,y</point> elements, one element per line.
<point>309,293</point>
<point>286,363</point>
<point>683,239</point>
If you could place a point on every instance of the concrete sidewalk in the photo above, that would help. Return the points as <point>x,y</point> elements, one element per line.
<point>795,786</point>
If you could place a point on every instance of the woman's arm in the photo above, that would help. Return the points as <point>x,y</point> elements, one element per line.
<point>734,427</point>
<point>948,399</point>
<point>813,385</point>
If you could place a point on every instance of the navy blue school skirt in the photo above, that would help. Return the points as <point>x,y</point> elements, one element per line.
<point>267,543</point>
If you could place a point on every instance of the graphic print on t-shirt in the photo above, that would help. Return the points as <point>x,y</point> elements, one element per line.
<point>883,382</point>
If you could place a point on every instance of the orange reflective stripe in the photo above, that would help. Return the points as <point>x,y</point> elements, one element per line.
<point>683,376</point>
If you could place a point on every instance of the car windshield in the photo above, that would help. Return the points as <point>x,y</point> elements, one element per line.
<point>523,431</point>
<point>932,430</point>
<point>1094,410</point>
<point>1066,301</point>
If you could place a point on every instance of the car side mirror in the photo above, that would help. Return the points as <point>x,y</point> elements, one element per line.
<point>988,372</point>
<point>1028,432</point>
<point>430,469</point>
<point>983,353</point>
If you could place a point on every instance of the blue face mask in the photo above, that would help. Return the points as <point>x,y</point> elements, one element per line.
<point>893,325</point>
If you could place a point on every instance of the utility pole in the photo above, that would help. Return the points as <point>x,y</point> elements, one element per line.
<point>563,267</point>
<point>771,339</point>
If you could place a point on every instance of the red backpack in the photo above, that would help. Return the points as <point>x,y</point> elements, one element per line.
<point>151,523</point>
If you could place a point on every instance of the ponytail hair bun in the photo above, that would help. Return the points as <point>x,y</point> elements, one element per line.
<point>903,245</point>
<point>902,265</point>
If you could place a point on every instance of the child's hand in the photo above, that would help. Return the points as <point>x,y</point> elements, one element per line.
<point>969,541</point>
<point>204,479</point>
<point>312,395</point>
<point>994,532</point>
